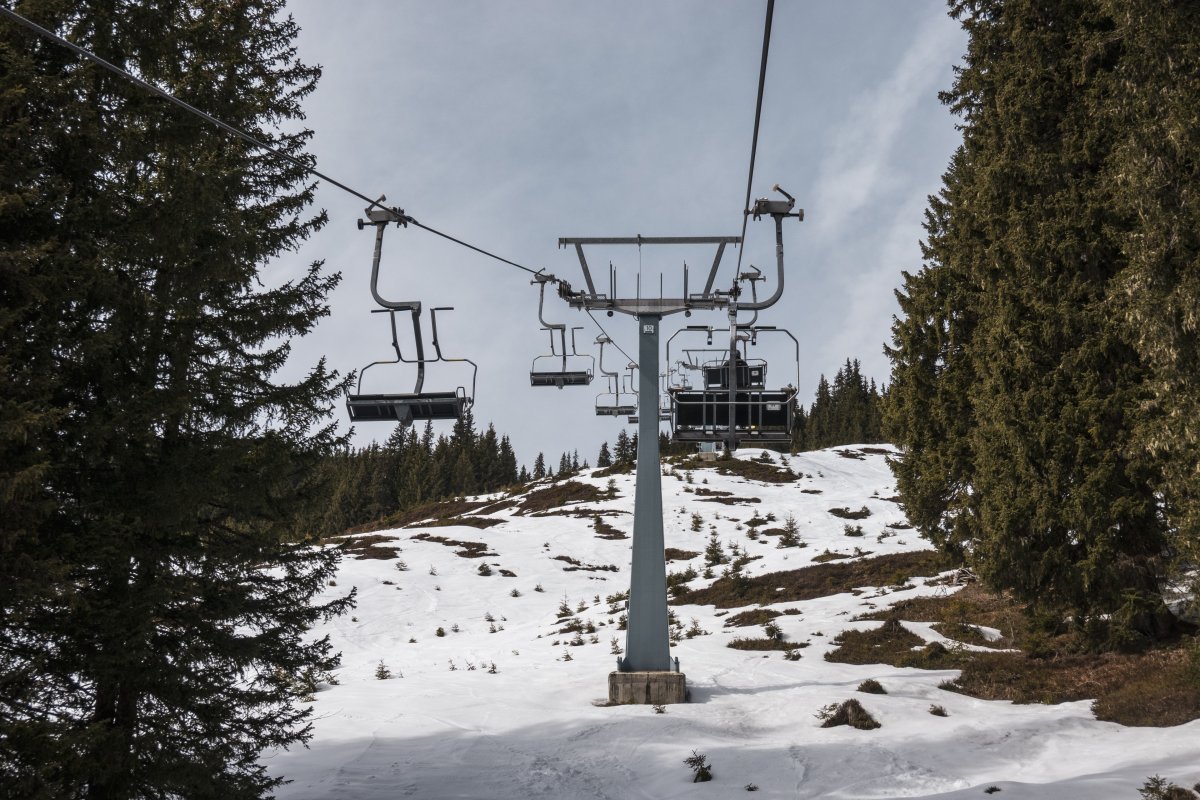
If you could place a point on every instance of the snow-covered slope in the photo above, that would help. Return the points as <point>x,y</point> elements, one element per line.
<point>531,728</point>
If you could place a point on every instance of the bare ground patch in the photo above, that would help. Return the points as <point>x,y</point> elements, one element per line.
<point>818,580</point>
<point>558,495</point>
<point>368,547</point>
<point>468,549</point>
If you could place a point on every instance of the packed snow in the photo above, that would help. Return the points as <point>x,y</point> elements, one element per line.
<point>536,727</point>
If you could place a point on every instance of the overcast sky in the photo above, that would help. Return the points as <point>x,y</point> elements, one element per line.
<point>513,124</point>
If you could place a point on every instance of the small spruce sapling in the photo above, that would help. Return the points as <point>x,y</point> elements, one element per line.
<point>700,767</point>
<point>791,533</point>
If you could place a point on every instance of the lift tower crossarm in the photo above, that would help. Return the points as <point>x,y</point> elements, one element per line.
<point>593,300</point>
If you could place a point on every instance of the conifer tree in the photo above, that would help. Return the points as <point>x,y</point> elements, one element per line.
<point>508,463</point>
<point>624,452</point>
<point>604,459</point>
<point>539,467</point>
<point>157,461</point>
<point>1154,172</point>
<point>1016,389</point>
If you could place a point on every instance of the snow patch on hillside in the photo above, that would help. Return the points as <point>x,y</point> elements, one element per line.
<point>531,730</point>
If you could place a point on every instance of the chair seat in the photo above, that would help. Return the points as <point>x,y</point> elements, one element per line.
<point>405,407</point>
<point>559,378</point>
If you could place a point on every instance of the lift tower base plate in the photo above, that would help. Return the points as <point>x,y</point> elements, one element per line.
<point>646,688</point>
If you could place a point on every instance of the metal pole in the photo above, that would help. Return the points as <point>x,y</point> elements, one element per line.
<point>647,638</point>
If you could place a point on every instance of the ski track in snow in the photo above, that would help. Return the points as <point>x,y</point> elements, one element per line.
<point>532,731</point>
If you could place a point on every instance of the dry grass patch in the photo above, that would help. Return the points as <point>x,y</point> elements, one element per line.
<point>1153,689</point>
<point>469,549</point>
<point>894,644</point>
<point>675,554</point>
<point>751,470</point>
<point>469,522</point>
<point>755,616</point>
<point>367,547</point>
<point>558,495</point>
<point>970,606</point>
<point>1156,688</point>
<point>441,509</point>
<point>968,634</point>
<point>827,556</point>
<point>818,580</point>
<point>606,531</point>
<point>765,643</point>
<point>730,501</point>
<point>1164,691</point>
<point>579,566</point>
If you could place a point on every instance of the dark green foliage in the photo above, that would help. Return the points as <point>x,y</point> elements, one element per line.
<point>604,459</point>
<point>1159,788</point>
<point>700,766</point>
<point>151,462</point>
<point>1153,172</point>
<point>625,451</point>
<point>410,470</point>
<point>846,413</point>
<point>1027,379</point>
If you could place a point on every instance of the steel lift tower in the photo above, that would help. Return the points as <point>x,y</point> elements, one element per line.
<point>648,673</point>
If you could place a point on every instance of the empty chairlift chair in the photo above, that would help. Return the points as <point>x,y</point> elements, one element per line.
<point>613,403</point>
<point>406,407</point>
<point>558,368</point>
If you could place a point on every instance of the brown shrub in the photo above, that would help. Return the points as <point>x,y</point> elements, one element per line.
<point>851,713</point>
<point>845,513</point>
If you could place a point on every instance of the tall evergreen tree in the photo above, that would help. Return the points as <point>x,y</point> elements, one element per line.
<point>539,467</point>
<point>1039,481</point>
<point>1154,171</point>
<point>604,459</point>
<point>624,452</point>
<point>508,463</point>
<point>158,463</point>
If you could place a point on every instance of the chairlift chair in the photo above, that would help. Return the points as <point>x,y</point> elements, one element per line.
<point>405,407</point>
<point>733,407</point>
<point>562,376</point>
<point>609,404</point>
